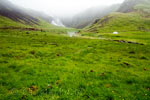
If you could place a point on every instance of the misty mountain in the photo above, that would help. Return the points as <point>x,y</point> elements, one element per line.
<point>132,5</point>
<point>88,16</point>
<point>13,12</point>
<point>24,16</point>
<point>40,15</point>
<point>133,15</point>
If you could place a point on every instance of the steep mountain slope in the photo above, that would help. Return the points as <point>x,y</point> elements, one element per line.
<point>88,16</point>
<point>40,15</point>
<point>12,15</point>
<point>9,10</point>
<point>133,15</point>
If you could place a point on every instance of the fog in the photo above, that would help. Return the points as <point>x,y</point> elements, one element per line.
<point>63,7</point>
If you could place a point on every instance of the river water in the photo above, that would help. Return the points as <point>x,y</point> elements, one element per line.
<point>71,34</point>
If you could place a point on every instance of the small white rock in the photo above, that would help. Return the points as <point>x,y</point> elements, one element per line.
<point>115,32</point>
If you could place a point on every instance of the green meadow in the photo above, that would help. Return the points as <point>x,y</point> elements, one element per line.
<point>49,65</point>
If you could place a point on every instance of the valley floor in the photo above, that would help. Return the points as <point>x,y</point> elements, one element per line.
<point>37,65</point>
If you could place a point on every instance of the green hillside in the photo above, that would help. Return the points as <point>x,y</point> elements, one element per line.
<point>133,26</point>
<point>121,22</point>
<point>132,16</point>
<point>6,22</point>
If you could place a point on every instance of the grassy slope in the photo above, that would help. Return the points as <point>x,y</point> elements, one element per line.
<point>131,27</point>
<point>6,22</point>
<point>43,66</point>
<point>134,26</point>
<point>121,22</point>
<point>137,20</point>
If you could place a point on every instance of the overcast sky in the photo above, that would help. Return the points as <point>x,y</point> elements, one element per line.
<point>62,7</point>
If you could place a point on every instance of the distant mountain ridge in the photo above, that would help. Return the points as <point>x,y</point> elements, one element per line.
<point>88,16</point>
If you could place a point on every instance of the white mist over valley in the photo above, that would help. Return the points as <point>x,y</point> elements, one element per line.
<point>66,12</point>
